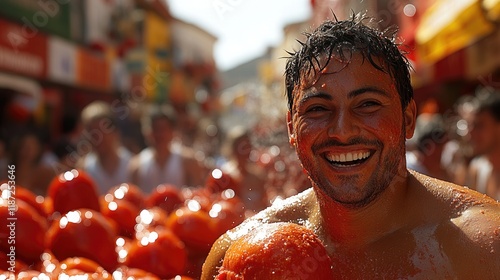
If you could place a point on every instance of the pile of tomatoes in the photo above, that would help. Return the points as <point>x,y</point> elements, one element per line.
<point>124,233</point>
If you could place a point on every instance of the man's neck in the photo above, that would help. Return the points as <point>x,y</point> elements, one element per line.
<point>162,153</point>
<point>109,161</point>
<point>357,228</point>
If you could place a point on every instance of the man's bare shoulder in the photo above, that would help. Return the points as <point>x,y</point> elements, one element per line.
<point>468,223</point>
<point>295,209</point>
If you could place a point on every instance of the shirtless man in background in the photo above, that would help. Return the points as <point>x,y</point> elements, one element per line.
<point>350,111</point>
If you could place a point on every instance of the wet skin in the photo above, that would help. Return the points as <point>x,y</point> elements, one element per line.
<point>376,218</point>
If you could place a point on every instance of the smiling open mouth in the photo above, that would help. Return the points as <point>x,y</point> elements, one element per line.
<point>348,159</point>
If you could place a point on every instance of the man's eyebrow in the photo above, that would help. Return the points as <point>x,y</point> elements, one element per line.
<point>315,94</point>
<point>310,94</point>
<point>371,89</point>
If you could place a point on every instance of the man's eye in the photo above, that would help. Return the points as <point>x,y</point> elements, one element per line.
<point>315,109</point>
<point>370,104</point>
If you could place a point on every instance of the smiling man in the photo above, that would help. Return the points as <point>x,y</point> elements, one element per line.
<point>350,111</point>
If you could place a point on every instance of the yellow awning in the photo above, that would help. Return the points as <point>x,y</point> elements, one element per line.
<point>450,25</point>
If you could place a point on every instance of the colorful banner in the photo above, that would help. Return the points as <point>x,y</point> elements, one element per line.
<point>22,50</point>
<point>92,71</point>
<point>44,15</point>
<point>62,61</point>
<point>450,25</point>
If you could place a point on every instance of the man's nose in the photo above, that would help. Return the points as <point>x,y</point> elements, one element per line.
<point>343,127</point>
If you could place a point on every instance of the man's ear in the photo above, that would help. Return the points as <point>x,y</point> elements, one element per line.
<point>291,135</point>
<point>410,116</point>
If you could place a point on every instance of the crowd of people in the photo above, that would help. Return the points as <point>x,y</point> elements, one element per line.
<point>461,145</point>
<point>97,145</point>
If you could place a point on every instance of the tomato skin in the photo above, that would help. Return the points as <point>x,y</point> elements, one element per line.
<point>135,273</point>
<point>159,252</point>
<point>5,265</point>
<point>129,192</point>
<point>73,190</point>
<point>218,181</point>
<point>277,251</point>
<point>227,214</point>
<point>195,228</point>
<point>123,213</point>
<point>26,233</point>
<point>24,194</point>
<point>78,233</point>
<point>167,197</point>
<point>81,264</point>
<point>151,219</point>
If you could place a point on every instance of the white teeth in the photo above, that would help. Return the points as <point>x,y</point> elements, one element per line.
<point>348,156</point>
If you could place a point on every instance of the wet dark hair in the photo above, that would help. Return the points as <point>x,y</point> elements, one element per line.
<point>343,39</point>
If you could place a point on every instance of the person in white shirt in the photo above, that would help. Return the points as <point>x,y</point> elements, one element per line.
<point>164,161</point>
<point>484,169</point>
<point>107,161</point>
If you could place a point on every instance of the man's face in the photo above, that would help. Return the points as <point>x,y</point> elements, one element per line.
<point>349,131</point>
<point>485,133</point>
<point>161,132</point>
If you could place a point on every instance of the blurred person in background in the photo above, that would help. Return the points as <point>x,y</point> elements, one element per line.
<point>250,178</point>
<point>429,140</point>
<point>457,152</point>
<point>484,169</point>
<point>108,159</point>
<point>26,152</point>
<point>65,151</point>
<point>164,161</point>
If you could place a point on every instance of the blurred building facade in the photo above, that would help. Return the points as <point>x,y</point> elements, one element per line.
<point>57,56</point>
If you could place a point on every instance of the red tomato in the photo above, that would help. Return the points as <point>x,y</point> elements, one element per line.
<point>84,233</point>
<point>159,252</point>
<point>25,195</point>
<point>125,272</point>
<point>181,277</point>
<point>73,190</point>
<point>277,251</point>
<point>81,264</point>
<point>227,215</point>
<point>28,275</point>
<point>12,262</point>
<point>167,197</point>
<point>130,193</point>
<point>195,228</point>
<point>123,213</point>
<point>218,181</point>
<point>24,229</point>
<point>151,219</point>
<point>49,264</point>
<point>202,196</point>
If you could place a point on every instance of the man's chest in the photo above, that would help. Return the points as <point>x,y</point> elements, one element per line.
<point>405,255</point>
